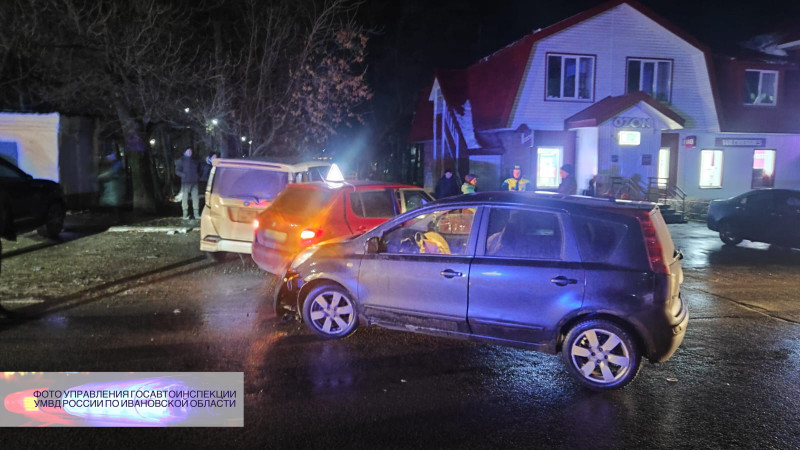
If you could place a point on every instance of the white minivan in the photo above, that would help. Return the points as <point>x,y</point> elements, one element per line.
<point>239,189</point>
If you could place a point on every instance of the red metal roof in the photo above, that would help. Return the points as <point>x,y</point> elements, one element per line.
<point>609,107</point>
<point>492,84</point>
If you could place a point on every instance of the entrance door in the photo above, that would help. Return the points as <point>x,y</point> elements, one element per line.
<point>663,167</point>
<point>548,163</point>
<point>670,141</point>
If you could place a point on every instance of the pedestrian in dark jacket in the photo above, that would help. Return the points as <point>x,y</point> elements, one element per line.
<point>448,185</point>
<point>568,184</point>
<point>112,180</point>
<point>188,169</point>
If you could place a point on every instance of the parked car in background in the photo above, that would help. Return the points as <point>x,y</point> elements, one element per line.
<point>596,280</point>
<point>765,215</point>
<point>306,214</point>
<point>239,189</point>
<point>29,204</point>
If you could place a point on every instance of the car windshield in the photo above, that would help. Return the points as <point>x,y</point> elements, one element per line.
<point>301,201</point>
<point>248,183</point>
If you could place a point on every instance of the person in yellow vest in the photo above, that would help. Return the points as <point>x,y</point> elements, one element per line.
<point>516,182</point>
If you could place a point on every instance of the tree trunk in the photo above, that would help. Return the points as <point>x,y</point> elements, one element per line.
<point>139,159</point>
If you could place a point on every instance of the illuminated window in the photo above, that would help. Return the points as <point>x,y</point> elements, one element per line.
<point>760,87</point>
<point>629,138</point>
<point>548,167</point>
<point>763,169</point>
<point>711,169</point>
<point>652,76</point>
<point>570,77</point>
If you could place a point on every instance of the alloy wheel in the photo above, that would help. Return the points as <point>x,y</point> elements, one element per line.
<point>601,356</point>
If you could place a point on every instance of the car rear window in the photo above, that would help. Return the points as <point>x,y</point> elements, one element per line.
<point>248,183</point>
<point>378,203</point>
<point>597,238</point>
<point>299,201</point>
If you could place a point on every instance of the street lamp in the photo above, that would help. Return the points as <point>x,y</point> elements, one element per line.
<point>152,142</point>
<point>214,122</point>
<point>186,110</point>
<point>244,138</point>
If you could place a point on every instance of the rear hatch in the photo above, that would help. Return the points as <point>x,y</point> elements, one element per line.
<point>670,256</point>
<point>238,194</point>
<point>299,208</point>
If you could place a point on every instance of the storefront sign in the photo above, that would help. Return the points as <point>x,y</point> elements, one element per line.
<point>633,122</point>
<point>740,142</point>
<point>690,141</point>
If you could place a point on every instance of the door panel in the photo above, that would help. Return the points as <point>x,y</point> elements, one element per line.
<point>527,278</point>
<point>420,277</point>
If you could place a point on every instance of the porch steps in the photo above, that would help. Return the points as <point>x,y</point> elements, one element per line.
<point>670,215</point>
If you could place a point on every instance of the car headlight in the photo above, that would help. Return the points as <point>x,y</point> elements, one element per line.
<point>302,257</point>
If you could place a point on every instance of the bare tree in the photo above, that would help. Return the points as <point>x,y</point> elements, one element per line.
<point>290,72</point>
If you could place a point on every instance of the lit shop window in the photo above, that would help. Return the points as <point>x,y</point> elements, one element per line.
<point>548,166</point>
<point>711,168</point>
<point>651,76</point>
<point>760,87</point>
<point>763,169</point>
<point>570,77</point>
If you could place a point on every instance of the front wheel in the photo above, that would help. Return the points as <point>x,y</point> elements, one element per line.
<point>329,312</point>
<point>601,355</point>
<point>53,221</point>
<point>217,256</point>
<point>728,234</point>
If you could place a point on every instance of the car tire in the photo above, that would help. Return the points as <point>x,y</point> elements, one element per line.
<point>728,234</point>
<point>53,221</point>
<point>330,312</point>
<point>601,355</point>
<point>217,256</point>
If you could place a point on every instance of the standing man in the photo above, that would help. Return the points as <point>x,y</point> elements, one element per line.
<point>448,185</point>
<point>568,184</point>
<point>516,182</point>
<point>188,169</point>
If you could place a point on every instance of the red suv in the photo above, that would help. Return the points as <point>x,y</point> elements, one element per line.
<point>306,214</point>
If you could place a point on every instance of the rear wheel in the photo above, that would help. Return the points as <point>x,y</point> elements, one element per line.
<point>329,312</point>
<point>54,221</point>
<point>728,234</point>
<point>601,355</point>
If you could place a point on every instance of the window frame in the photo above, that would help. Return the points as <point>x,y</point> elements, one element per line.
<point>655,74</point>
<point>558,166</point>
<point>761,73</point>
<point>721,169</point>
<point>472,240</point>
<point>577,57</point>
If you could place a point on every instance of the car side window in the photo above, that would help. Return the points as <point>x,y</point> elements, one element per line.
<point>8,172</point>
<point>373,204</point>
<point>414,199</point>
<point>517,233</point>
<point>442,232</point>
<point>759,202</point>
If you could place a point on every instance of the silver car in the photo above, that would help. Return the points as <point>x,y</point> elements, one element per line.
<point>593,279</point>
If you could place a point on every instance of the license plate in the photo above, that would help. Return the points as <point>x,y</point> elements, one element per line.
<point>243,215</point>
<point>277,236</point>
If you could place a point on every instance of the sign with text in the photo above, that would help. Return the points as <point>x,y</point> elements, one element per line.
<point>633,122</point>
<point>122,399</point>
<point>690,141</point>
<point>629,137</point>
<point>740,142</point>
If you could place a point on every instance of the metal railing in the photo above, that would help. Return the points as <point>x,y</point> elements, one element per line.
<point>659,190</point>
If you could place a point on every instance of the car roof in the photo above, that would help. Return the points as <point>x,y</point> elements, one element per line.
<point>268,164</point>
<point>359,185</point>
<point>547,200</point>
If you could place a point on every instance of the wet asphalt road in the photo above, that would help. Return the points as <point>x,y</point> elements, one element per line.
<point>151,302</point>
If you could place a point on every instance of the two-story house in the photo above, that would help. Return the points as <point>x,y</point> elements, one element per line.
<point>618,92</point>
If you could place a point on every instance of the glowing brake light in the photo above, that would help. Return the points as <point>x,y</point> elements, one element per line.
<point>255,224</point>
<point>308,234</point>
<point>655,252</point>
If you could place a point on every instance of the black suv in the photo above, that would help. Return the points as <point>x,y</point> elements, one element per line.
<point>27,204</point>
<point>764,215</point>
<point>596,280</point>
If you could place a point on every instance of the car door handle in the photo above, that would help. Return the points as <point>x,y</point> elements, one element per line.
<point>449,273</point>
<point>561,280</point>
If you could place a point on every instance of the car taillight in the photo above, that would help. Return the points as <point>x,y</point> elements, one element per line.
<point>309,234</point>
<point>655,253</point>
<point>255,224</point>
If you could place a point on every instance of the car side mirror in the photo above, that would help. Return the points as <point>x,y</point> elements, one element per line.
<point>374,245</point>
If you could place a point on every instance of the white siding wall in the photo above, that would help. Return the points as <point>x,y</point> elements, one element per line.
<point>586,154</point>
<point>613,36</point>
<point>737,166</point>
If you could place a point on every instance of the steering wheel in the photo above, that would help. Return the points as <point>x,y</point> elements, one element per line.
<point>408,245</point>
<point>419,238</point>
